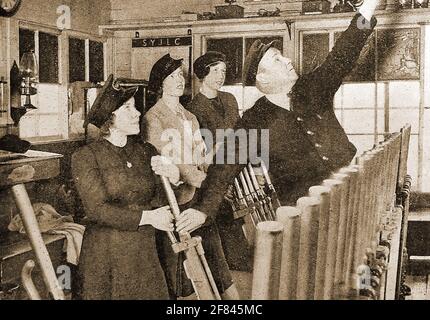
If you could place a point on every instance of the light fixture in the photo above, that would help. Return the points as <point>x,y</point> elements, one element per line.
<point>29,72</point>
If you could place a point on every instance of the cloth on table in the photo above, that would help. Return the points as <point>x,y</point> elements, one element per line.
<point>51,222</point>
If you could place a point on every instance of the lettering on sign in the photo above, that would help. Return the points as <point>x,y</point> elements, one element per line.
<point>161,42</point>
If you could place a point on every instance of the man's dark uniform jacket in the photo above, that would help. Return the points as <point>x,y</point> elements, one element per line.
<point>307,144</point>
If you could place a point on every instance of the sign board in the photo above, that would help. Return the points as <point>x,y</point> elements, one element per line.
<point>161,42</point>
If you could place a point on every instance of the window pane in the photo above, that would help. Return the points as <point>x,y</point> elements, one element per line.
<point>96,61</point>
<point>315,50</point>
<point>48,58</point>
<point>233,49</point>
<point>26,42</point>
<point>76,60</point>
<point>398,54</point>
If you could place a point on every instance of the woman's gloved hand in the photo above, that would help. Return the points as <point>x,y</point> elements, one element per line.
<point>190,220</point>
<point>165,167</point>
<point>161,218</point>
<point>367,9</point>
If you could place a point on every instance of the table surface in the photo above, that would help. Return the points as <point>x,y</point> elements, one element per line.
<point>7,158</point>
<point>19,168</point>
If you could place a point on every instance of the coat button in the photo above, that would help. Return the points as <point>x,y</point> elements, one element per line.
<point>299,119</point>
<point>325,158</point>
<point>309,132</point>
<point>318,116</point>
<point>317,145</point>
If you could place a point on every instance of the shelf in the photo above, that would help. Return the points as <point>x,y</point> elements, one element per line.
<point>418,14</point>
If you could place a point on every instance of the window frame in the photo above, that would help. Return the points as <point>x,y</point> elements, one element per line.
<point>244,36</point>
<point>37,31</point>
<point>63,113</point>
<point>87,38</point>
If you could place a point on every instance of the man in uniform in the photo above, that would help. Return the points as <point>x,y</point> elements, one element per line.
<point>307,143</point>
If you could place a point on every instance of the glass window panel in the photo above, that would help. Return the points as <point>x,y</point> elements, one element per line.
<point>398,54</point>
<point>48,58</point>
<point>96,61</point>
<point>315,50</point>
<point>233,49</point>
<point>26,42</point>
<point>362,142</point>
<point>76,60</point>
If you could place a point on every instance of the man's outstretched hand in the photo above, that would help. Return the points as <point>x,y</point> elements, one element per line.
<point>367,9</point>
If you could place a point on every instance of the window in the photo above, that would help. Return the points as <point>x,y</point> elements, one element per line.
<point>47,120</point>
<point>48,58</point>
<point>315,49</point>
<point>235,50</point>
<point>76,60</point>
<point>46,51</point>
<point>52,120</point>
<point>26,41</point>
<point>86,61</point>
<point>370,102</point>
<point>96,61</point>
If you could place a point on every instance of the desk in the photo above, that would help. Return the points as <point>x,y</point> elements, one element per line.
<point>15,171</point>
<point>15,251</point>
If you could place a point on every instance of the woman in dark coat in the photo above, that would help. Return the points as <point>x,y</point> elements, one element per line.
<point>213,108</point>
<point>218,110</point>
<point>120,194</point>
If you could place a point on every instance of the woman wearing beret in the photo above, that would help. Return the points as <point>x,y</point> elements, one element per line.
<point>175,132</point>
<point>120,194</point>
<point>214,110</point>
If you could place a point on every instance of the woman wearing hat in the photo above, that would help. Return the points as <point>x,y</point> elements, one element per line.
<point>175,132</point>
<point>213,108</point>
<point>218,110</point>
<point>120,194</point>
